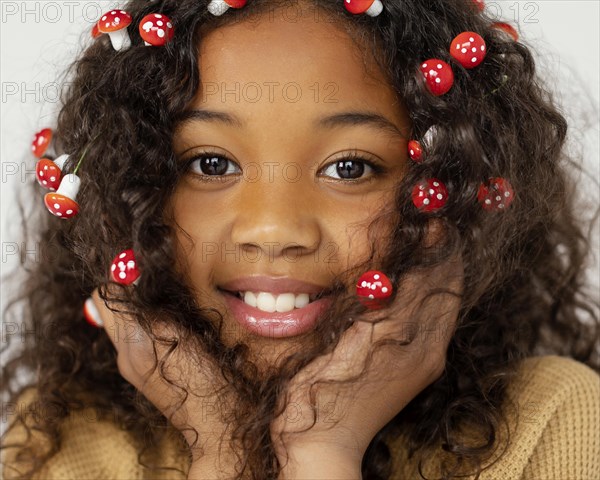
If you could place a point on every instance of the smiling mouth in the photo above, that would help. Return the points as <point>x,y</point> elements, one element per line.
<point>271,302</point>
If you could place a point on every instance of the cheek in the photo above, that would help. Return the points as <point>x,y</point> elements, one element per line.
<point>197,239</point>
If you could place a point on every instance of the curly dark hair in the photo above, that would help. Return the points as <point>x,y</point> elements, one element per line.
<point>524,291</point>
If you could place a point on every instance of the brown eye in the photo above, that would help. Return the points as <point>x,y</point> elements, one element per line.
<point>351,167</point>
<point>210,164</point>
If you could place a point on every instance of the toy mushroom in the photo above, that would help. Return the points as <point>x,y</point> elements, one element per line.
<point>370,7</point>
<point>49,172</point>
<point>508,29</point>
<point>496,194</point>
<point>373,289</point>
<point>469,49</point>
<point>62,202</point>
<point>219,7</point>
<point>156,29</point>
<point>115,24</point>
<point>124,269</point>
<point>91,313</point>
<point>41,142</point>
<point>95,32</point>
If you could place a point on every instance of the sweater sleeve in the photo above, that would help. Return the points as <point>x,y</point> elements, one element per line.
<point>554,424</point>
<point>569,446</point>
<point>91,448</point>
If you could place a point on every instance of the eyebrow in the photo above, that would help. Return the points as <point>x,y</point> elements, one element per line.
<point>342,119</point>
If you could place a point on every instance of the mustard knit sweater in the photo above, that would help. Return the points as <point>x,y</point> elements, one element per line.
<point>554,425</point>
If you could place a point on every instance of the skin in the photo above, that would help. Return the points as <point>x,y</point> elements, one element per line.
<point>311,228</point>
<point>302,219</point>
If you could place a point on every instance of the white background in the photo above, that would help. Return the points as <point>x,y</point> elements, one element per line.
<point>40,38</point>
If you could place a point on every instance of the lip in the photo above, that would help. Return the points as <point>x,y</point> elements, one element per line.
<point>276,324</point>
<point>276,285</point>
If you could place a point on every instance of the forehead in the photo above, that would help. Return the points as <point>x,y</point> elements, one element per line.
<point>301,62</point>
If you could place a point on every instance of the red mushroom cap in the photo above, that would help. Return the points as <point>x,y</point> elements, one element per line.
<point>507,28</point>
<point>236,3</point>
<point>156,29</point>
<point>469,49</point>
<point>61,206</point>
<point>113,21</point>
<point>496,195</point>
<point>429,195</point>
<point>415,151</point>
<point>480,4</point>
<point>373,289</point>
<point>95,32</point>
<point>358,6</point>
<point>439,76</point>
<point>124,268</point>
<point>48,174</point>
<point>41,142</point>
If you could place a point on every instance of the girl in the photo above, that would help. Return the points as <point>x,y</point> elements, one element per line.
<point>321,239</point>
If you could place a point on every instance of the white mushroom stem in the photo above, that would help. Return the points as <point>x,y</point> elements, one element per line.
<point>218,7</point>
<point>93,312</point>
<point>60,161</point>
<point>120,39</point>
<point>375,9</point>
<point>69,186</point>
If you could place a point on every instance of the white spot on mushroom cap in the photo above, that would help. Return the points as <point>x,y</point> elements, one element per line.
<point>426,201</point>
<point>371,296</point>
<point>376,277</point>
<point>69,212</point>
<point>56,205</point>
<point>122,275</point>
<point>384,289</point>
<point>113,267</point>
<point>122,255</point>
<point>147,26</point>
<point>160,23</point>
<point>103,18</point>
<point>160,32</point>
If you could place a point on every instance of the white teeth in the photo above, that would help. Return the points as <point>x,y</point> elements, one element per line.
<point>250,299</point>
<point>267,302</point>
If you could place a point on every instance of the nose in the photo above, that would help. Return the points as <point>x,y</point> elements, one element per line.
<point>276,218</point>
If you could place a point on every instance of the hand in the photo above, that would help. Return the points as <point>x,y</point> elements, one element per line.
<point>209,394</point>
<point>356,411</point>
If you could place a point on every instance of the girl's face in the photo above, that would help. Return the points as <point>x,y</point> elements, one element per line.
<point>282,103</point>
